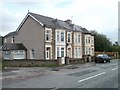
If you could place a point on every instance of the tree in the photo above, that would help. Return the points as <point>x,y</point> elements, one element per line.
<point>102,43</point>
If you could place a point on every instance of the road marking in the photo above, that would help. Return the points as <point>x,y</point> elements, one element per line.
<point>114,69</point>
<point>91,77</point>
<point>15,71</point>
<point>7,77</point>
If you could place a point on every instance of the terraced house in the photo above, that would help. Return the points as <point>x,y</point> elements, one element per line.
<point>42,37</point>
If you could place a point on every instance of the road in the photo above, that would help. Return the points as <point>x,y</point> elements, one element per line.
<point>90,75</point>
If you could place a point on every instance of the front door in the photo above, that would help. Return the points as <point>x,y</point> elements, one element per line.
<point>48,53</point>
<point>69,52</point>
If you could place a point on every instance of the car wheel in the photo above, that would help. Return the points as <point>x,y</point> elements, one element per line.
<point>95,61</point>
<point>104,61</point>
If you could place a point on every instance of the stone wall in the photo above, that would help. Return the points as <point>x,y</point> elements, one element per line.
<point>29,63</point>
<point>0,54</point>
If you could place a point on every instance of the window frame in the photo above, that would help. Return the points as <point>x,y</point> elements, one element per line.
<point>47,35</point>
<point>62,36</point>
<point>79,38</point>
<point>68,37</point>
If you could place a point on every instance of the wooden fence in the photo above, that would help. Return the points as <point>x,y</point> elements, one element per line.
<point>112,54</point>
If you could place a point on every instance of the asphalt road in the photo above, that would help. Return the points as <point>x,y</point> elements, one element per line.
<point>90,75</point>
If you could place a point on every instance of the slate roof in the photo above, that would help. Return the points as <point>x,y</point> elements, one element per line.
<point>11,34</point>
<point>13,46</point>
<point>53,23</point>
<point>56,23</point>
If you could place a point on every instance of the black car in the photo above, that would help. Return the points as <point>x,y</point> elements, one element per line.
<point>102,58</point>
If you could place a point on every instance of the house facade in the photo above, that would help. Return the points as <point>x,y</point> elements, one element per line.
<point>48,38</point>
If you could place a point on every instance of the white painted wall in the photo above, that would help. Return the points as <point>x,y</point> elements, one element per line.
<point>60,44</point>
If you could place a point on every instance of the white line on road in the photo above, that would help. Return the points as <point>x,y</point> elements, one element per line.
<point>114,69</point>
<point>7,77</point>
<point>91,77</point>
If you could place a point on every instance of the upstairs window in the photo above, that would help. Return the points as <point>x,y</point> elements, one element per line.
<point>62,36</point>
<point>92,40</point>
<point>58,36</point>
<point>86,40</point>
<point>78,38</point>
<point>75,38</point>
<point>13,39</point>
<point>68,37</point>
<point>47,35</point>
<point>89,40</point>
<point>5,40</point>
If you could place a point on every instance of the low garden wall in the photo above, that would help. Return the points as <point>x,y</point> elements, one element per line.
<point>29,63</point>
<point>43,63</point>
<point>73,61</point>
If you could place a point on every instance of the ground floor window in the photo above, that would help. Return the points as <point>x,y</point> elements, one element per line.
<point>47,52</point>
<point>19,54</point>
<point>60,51</point>
<point>32,55</point>
<point>77,52</point>
<point>7,55</point>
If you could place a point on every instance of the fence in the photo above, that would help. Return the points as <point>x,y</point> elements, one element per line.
<point>112,54</point>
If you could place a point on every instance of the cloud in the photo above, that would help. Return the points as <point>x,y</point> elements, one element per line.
<point>100,15</point>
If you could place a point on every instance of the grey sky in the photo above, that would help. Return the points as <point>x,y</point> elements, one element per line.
<point>99,15</point>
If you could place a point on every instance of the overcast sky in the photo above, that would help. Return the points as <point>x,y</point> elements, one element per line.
<point>99,15</point>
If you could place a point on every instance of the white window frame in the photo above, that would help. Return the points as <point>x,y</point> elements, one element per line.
<point>86,41</point>
<point>79,52</point>
<point>18,52</point>
<point>58,52</point>
<point>7,52</point>
<point>5,40</point>
<point>75,38</point>
<point>47,54</point>
<point>75,52</point>
<point>13,40</point>
<point>62,51</point>
<point>57,36</point>
<point>89,50</point>
<point>32,54</point>
<point>47,34</point>
<point>62,37</point>
<point>79,38</point>
<point>68,37</point>
<point>92,40</point>
<point>89,41</point>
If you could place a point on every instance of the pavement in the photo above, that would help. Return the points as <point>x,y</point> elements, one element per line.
<point>21,72</point>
